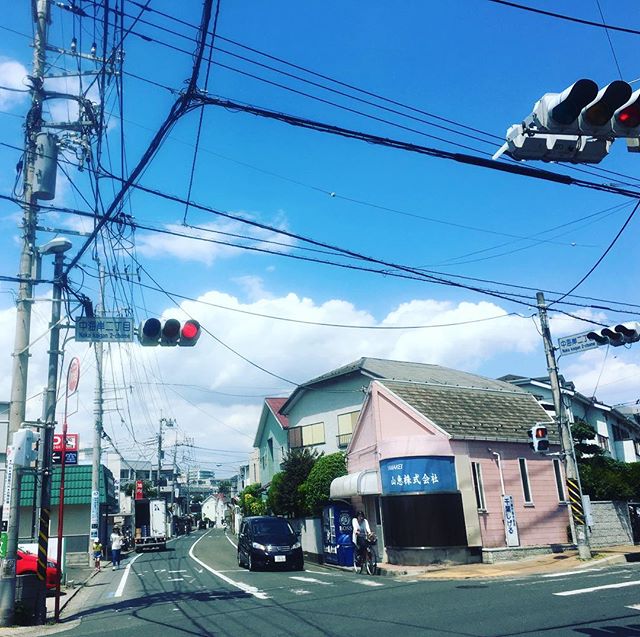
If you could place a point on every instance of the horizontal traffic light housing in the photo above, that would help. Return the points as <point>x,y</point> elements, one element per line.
<point>153,332</point>
<point>616,335</point>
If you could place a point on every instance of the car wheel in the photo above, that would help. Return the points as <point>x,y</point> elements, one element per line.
<point>240,562</point>
<point>251,566</point>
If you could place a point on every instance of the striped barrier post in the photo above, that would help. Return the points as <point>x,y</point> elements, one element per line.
<point>575,501</point>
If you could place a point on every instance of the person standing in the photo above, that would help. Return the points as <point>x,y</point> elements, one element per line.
<point>96,552</point>
<point>116,548</point>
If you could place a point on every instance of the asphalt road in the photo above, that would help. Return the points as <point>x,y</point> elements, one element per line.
<point>197,588</point>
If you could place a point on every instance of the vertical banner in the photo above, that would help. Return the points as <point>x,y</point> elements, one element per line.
<point>95,510</point>
<point>510,525</point>
<point>6,503</point>
<point>139,490</point>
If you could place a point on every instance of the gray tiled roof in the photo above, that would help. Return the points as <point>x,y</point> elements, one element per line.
<point>419,372</point>
<point>473,412</point>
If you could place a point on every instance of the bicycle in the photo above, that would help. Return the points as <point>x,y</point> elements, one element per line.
<point>370,563</point>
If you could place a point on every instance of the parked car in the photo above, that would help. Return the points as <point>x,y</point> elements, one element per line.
<point>27,563</point>
<point>269,541</point>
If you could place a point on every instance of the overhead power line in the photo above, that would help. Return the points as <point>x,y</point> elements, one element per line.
<point>561,16</point>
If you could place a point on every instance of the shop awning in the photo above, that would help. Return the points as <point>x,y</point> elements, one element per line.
<point>360,483</point>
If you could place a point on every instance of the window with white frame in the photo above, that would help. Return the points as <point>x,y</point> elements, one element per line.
<point>559,481</point>
<point>524,477</point>
<point>478,486</point>
<point>603,441</point>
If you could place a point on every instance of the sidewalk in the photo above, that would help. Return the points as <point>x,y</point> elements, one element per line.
<point>541,564</point>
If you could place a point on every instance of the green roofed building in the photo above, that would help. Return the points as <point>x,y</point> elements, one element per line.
<point>77,510</point>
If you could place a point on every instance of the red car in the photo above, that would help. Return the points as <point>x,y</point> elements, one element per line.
<point>27,563</point>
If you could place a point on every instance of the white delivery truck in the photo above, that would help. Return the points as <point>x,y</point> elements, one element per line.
<point>151,524</point>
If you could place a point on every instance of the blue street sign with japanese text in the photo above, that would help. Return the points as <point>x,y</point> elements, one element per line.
<point>108,329</point>
<point>418,474</point>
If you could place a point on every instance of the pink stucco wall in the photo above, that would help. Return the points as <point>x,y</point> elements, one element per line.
<point>388,428</point>
<point>544,521</point>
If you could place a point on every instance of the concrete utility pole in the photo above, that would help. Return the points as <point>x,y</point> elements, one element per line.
<point>568,454</point>
<point>56,247</point>
<point>94,531</point>
<point>167,422</point>
<point>28,259</point>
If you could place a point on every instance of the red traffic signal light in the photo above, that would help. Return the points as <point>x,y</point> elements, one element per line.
<point>189,334</point>
<point>153,332</point>
<point>539,440</point>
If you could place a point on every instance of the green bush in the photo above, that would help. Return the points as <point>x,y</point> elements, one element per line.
<point>316,486</point>
<point>250,500</point>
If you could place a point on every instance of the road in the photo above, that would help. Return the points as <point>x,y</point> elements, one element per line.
<point>197,588</point>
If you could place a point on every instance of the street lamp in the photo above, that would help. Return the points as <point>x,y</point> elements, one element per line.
<point>56,247</point>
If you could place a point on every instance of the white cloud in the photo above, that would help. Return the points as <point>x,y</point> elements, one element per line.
<point>12,75</point>
<point>217,242</point>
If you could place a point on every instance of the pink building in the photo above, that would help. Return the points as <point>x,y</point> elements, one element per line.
<point>444,471</point>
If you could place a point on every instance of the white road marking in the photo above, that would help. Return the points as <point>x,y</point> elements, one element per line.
<point>565,573</point>
<point>313,580</point>
<point>300,591</point>
<point>634,607</point>
<point>598,588</point>
<point>307,570</point>
<point>368,582</point>
<point>176,579</point>
<point>123,579</point>
<point>251,590</point>
<point>182,571</point>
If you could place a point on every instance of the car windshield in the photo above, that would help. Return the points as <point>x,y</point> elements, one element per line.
<point>275,527</point>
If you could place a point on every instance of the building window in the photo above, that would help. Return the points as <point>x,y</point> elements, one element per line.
<point>619,433</point>
<point>312,434</point>
<point>524,476</point>
<point>603,441</point>
<point>636,444</point>
<point>270,448</point>
<point>559,481</point>
<point>478,486</point>
<point>346,423</point>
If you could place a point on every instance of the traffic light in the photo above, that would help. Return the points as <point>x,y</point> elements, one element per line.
<point>153,332</point>
<point>539,441</point>
<point>522,145</point>
<point>617,335</point>
<point>577,125</point>
<point>189,334</point>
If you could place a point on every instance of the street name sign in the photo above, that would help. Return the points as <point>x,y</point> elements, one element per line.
<point>576,343</point>
<point>107,329</point>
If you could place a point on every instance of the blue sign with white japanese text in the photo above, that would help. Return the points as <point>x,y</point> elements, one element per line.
<point>418,474</point>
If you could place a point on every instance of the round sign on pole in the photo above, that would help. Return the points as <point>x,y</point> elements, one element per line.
<point>73,375</point>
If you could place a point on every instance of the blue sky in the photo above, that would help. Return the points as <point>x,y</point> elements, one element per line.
<point>473,62</point>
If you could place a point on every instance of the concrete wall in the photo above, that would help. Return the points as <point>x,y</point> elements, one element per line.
<point>611,524</point>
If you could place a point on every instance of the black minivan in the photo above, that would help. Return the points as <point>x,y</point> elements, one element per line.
<point>268,541</point>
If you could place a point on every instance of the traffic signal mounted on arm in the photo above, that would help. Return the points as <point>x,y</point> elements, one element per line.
<point>577,125</point>
<point>616,335</point>
<point>539,441</point>
<point>152,332</point>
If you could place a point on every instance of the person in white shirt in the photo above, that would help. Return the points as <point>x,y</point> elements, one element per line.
<point>116,548</point>
<point>361,531</point>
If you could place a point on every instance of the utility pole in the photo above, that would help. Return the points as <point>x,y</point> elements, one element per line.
<point>56,247</point>
<point>167,422</point>
<point>568,453</point>
<point>28,258</point>
<point>94,532</point>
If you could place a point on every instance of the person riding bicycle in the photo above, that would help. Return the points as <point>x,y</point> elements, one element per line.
<point>361,531</point>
